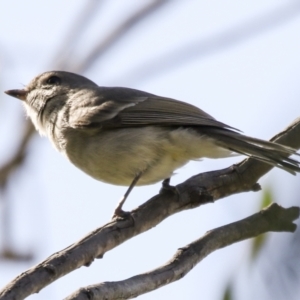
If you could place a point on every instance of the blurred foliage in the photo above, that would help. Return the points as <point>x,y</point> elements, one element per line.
<point>228,292</point>
<point>259,242</point>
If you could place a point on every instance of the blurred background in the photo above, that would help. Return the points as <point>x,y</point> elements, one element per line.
<point>237,60</point>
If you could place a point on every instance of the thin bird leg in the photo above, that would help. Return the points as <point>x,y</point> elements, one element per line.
<point>119,212</point>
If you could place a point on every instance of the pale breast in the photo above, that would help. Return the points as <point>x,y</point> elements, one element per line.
<point>117,156</point>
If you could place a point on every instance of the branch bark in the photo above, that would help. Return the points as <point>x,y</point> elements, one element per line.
<point>273,218</point>
<point>196,191</point>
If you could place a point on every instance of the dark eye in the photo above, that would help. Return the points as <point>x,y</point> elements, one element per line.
<point>53,80</point>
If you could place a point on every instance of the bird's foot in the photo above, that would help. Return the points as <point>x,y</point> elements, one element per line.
<point>119,212</point>
<point>166,187</point>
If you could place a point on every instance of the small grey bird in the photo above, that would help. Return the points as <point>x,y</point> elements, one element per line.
<point>128,137</point>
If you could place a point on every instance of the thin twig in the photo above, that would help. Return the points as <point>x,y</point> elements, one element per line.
<point>63,58</point>
<point>204,47</point>
<point>131,22</point>
<point>19,156</point>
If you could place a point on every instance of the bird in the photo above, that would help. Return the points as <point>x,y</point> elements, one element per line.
<point>129,137</point>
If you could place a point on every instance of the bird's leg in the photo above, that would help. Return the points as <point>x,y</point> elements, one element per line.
<point>119,212</point>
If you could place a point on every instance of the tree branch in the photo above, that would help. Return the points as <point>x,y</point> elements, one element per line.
<point>118,33</point>
<point>196,191</point>
<point>64,57</point>
<point>220,41</point>
<point>18,158</point>
<point>273,218</point>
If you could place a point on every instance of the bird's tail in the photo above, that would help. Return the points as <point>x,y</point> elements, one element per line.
<point>268,152</point>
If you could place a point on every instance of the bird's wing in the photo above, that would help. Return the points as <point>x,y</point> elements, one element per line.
<point>123,107</point>
<point>120,108</point>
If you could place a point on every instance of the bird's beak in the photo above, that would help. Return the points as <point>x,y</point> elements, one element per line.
<point>20,94</point>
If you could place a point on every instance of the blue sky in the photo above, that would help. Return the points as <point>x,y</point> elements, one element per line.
<point>222,56</point>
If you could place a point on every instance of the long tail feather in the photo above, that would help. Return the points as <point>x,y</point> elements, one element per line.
<point>268,152</point>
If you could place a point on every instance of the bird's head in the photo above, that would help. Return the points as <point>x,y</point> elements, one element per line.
<point>47,94</point>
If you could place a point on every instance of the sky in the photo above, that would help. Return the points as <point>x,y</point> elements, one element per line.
<point>237,60</point>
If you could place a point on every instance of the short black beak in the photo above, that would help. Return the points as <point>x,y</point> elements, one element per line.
<point>20,94</point>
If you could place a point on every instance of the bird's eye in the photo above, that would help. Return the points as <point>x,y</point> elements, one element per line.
<point>53,80</point>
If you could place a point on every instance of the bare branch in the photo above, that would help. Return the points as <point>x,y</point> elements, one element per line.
<point>219,42</point>
<point>62,59</point>
<point>18,158</point>
<point>198,190</point>
<point>115,36</point>
<point>273,218</point>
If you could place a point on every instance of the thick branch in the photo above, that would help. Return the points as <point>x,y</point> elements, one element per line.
<point>198,190</point>
<point>273,218</point>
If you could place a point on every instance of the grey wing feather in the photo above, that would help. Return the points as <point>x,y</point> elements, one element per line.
<point>98,105</point>
<point>122,107</point>
<point>167,112</point>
